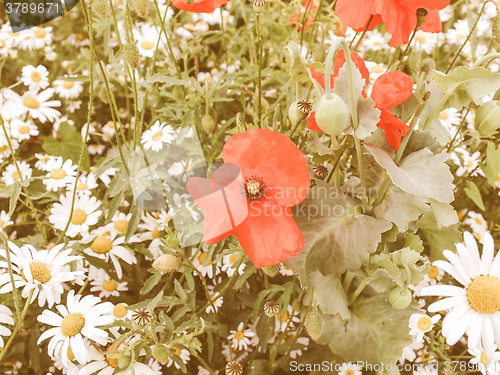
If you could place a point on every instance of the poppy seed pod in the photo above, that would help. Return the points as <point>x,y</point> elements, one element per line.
<point>332,114</point>
<point>400,298</point>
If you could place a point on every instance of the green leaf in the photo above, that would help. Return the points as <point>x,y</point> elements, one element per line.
<point>68,146</point>
<point>400,207</point>
<point>134,222</point>
<point>336,238</point>
<point>492,167</point>
<point>368,118</point>
<point>421,173</point>
<point>151,283</point>
<point>152,305</point>
<point>414,242</point>
<point>467,84</point>
<point>438,239</point>
<point>474,194</point>
<point>14,197</point>
<point>375,333</point>
<point>298,70</point>
<point>330,294</point>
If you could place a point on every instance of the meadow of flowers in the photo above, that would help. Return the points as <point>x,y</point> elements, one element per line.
<point>251,187</point>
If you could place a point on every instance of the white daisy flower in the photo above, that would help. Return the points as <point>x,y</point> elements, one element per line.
<point>204,265</point>
<point>350,369</point>
<point>42,271</point>
<point>154,364</point>
<point>105,176</point>
<point>108,247</point>
<point>426,41</point>
<point>11,174</point>
<point>107,287</point>
<point>301,344</point>
<point>73,368</point>
<point>420,324</point>
<point>23,130</point>
<point>450,118</point>
<point>409,351</point>
<point>36,38</point>
<point>96,149</point>
<point>147,39</point>
<point>484,364</point>
<point>241,337</point>
<point>157,135</point>
<point>151,224</point>
<point>375,41</point>
<point>35,78</point>
<point>286,320</point>
<point>474,308</point>
<point>286,271</point>
<point>36,104</point>
<point>467,163</point>
<point>60,174</point>
<point>5,318</point>
<point>165,218</point>
<point>180,352</point>
<point>229,263</point>
<point>85,184</point>
<point>476,222</point>
<point>4,221</point>
<point>216,303</point>
<point>68,89</point>
<point>85,213</point>
<point>79,318</point>
<point>42,160</point>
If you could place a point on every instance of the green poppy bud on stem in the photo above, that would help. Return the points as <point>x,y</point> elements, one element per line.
<point>131,55</point>
<point>421,14</point>
<point>332,114</point>
<point>161,353</point>
<point>101,8</point>
<point>141,7</point>
<point>314,323</point>
<point>258,5</point>
<point>208,124</point>
<point>400,298</point>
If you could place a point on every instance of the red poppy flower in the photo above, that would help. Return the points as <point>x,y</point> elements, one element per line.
<point>274,177</point>
<point>389,90</point>
<point>399,16</point>
<point>199,6</point>
<point>309,7</point>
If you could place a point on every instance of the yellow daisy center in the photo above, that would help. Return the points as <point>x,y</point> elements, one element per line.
<point>421,38</point>
<point>283,318</point>
<point>120,311</point>
<point>101,245</point>
<point>239,335</point>
<point>58,174</point>
<point>349,372</point>
<point>424,323</point>
<point>157,136</point>
<point>177,350</point>
<point>25,129</point>
<point>155,233</point>
<point>497,178</point>
<point>40,272</point>
<point>36,77</point>
<point>82,186</point>
<point>478,220</point>
<point>15,175</point>
<point>113,361</point>
<point>443,115</point>
<point>233,259</point>
<point>31,102</point>
<point>121,225</point>
<point>2,223</point>
<point>78,217</point>
<point>483,294</point>
<point>40,32</point>
<point>109,285</point>
<point>147,44</point>
<point>433,272</point>
<point>68,85</point>
<point>201,259</point>
<point>484,359</point>
<point>377,69</point>
<point>469,164</point>
<point>72,324</point>
<point>3,148</point>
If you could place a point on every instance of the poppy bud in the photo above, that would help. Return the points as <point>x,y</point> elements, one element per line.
<point>208,124</point>
<point>332,114</point>
<point>271,270</point>
<point>161,353</point>
<point>131,55</point>
<point>101,8</point>
<point>486,120</point>
<point>314,323</point>
<point>421,14</point>
<point>258,5</point>
<point>496,29</point>
<point>400,298</point>
<point>141,7</point>
<point>167,263</point>
<point>293,113</point>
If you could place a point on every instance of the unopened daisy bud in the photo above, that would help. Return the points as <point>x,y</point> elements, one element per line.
<point>167,263</point>
<point>234,368</point>
<point>271,308</point>
<point>314,323</point>
<point>161,353</point>
<point>101,8</point>
<point>208,124</point>
<point>271,270</point>
<point>131,55</point>
<point>141,7</point>
<point>320,171</point>
<point>421,14</point>
<point>141,316</point>
<point>258,5</point>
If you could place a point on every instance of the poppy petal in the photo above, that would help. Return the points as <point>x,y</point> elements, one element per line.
<point>432,23</point>
<point>269,235</point>
<point>394,128</point>
<point>274,158</point>
<point>320,77</point>
<point>391,89</point>
<point>199,6</point>
<point>356,15</point>
<point>311,122</point>
<point>399,20</point>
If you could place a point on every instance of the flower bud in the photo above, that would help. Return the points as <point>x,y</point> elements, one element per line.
<point>271,308</point>
<point>271,270</point>
<point>332,114</point>
<point>496,29</point>
<point>314,323</point>
<point>131,55</point>
<point>400,298</point>
<point>161,353</point>
<point>421,14</point>
<point>487,118</point>
<point>101,8</point>
<point>293,113</point>
<point>208,124</point>
<point>167,263</point>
